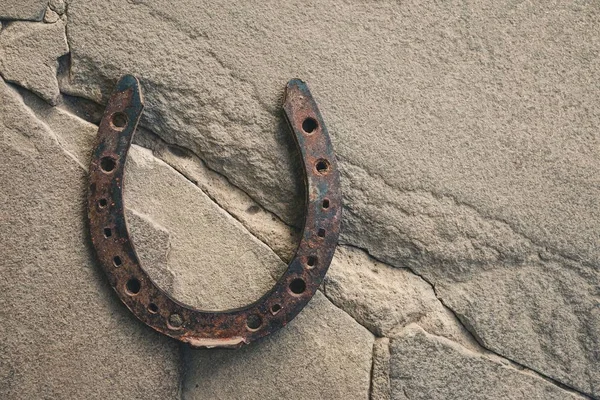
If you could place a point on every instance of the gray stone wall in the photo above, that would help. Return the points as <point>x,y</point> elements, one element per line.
<point>468,135</point>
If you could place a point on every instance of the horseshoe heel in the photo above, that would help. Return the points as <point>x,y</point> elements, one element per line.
<point>154,307</point>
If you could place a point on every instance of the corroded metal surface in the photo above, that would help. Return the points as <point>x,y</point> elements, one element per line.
<point>293,290</point>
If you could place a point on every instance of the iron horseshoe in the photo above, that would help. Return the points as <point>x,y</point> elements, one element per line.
<point>154,307</point>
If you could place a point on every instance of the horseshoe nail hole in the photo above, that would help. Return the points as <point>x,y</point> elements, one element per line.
<point>107,232</point>
<point>321,232</point>
<point>102,203</point>
<point>309,125</point>
<point>322,166</point>
<point>253,322</point>
<point>133,286</point>
<point>152,308</point>
<point>175,321</point>
<point>275,308</point>
<point>311,261</point>
<point>119,120</point>
<point>108,164</point>
<point>298,286</point>
<point>117,261</point>
<point>326,203</point>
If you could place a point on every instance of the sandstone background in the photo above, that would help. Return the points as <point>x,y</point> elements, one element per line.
<point>468,137</point>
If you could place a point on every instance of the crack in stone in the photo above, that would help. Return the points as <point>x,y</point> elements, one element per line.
<point>475,337</point>
<point>372,372</point>
<point>439,196</point>
<point>160,138</point>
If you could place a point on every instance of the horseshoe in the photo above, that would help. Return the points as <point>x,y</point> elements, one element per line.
<point>149,303</point>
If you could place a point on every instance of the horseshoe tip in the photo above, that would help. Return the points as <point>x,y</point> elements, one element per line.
<point>295,84</point>
<point>129,81</point>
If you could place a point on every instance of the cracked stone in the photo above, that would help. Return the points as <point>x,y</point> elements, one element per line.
<point>321,354</point>
<point>428,367</point>
<point>386,299</point>
<point>266,226</point>
<point>57,6</point>
<point>63,330</point>
<point>30,10</point>
<point>552,310</point>
<point>152,245</point>
<point>29,53</point>
<point>217,263</point>
<point>473,161</point>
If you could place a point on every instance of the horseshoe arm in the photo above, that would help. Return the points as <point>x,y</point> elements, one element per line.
<point>153,306</point>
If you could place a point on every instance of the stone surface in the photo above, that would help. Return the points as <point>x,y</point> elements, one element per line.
<point>467,135</point>
<point>29,53</point>
<point>386,299</point>
<point>217,264</point>
<point>266,226</point>
<point>429,367</point>
<point>31,10</point>
<point>51,16</point>
<point>554,314</point>
<point>152,244</point>
<point>58,6</point>
<point>64,333</point>
<point>321,354</point>
<point>380,375</point>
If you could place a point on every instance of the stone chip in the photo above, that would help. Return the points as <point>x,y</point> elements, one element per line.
<point>29,53</point>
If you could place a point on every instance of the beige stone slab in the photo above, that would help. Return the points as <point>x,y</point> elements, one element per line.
<point>467,133</point>
<point>29,53</point>
<point>31,10</point>
<point>321,354</point>
<point>386,299</point>
<point>212,261</point>
<point>64,333</point>
<point>429,367</point>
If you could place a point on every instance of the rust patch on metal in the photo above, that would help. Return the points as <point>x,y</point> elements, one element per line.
<point>153,306</point>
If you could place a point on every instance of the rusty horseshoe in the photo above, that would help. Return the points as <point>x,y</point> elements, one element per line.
<point>154,307</point>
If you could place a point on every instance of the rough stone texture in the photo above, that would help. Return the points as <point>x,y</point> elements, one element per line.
<point>29,55</point>
<point>31,10</point>
<point>467,134</point>
<point>429,367</point>
<point>380,374</point>
<point>321,354</point>
<point>152,244</point>
<point>51,16</point>
<point>386,299</point>
<point>266,226</point>
<point>64,333</point>
<point>58,6</point>
<point>217,264</point>
<point>506,289</point>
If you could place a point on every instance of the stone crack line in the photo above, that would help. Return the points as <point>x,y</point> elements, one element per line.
<point>439,196</point>
<point>474,336</point>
